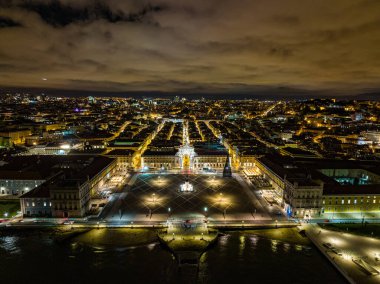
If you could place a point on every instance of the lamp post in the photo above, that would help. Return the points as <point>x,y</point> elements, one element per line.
<point>205,210</point>
<point>276,223</point>
<point>154,197</point>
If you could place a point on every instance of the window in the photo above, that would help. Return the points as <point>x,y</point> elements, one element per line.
<point>45,204</point>
<point>33,204</point>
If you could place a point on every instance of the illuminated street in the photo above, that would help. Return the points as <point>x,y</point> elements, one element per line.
<point>348,247</point>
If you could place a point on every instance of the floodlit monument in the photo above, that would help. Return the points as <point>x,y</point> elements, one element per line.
<point>227,172</point>
<point>186,187</point>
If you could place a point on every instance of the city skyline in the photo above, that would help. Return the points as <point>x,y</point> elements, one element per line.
<point>250,48</point>
<point>174,141</point>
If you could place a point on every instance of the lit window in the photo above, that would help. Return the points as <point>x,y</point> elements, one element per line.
<point>342,201</point>
<point>33,204</point>
<point>355,201</point>
<point>44,203</point>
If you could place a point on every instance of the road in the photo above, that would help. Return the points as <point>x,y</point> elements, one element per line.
<point>274,212</point>
<point>121,129</point>
<point>350,246</point>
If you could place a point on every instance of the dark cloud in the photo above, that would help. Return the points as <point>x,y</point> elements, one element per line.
<point>8,23</point>
<point>172,45</point>
<point>286,20</point>
<point>61,14</point>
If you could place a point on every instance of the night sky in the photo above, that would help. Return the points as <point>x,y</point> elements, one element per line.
<point>226,46</point>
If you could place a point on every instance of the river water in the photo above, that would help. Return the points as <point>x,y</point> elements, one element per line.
<point>237,257</point>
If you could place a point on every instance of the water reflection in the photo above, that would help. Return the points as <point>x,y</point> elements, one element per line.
<point>266,261</point>
<point>287,247</point>
<point>298,247</point>
<point>241,245</point>
<point>236,255</point>
<point>254,239</point>
<point>274,245</point>
<point>8,243</point>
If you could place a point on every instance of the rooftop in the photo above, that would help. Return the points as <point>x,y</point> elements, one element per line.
<point>338,176</point>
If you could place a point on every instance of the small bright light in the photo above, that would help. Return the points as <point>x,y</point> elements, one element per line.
<point>205,209</point>
<point>169,209</point>
<point>6,214</point>
<point>65,146</point>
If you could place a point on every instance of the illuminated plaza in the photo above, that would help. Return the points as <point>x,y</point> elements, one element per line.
<point>158,197</point>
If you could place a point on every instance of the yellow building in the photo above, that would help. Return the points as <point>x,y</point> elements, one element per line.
<point>16,136</point>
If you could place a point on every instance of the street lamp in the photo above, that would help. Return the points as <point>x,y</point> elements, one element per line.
<point>205,209</point>
<point>154,197</point>
<point>276,224</point>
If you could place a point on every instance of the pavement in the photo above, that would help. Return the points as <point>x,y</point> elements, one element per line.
<point>350,246</point>
<point>152,197</point>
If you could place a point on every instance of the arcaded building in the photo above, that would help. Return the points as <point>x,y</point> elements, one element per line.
<point>312,187</point>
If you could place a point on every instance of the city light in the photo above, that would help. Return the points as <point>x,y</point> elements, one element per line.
<point>239,114</point>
